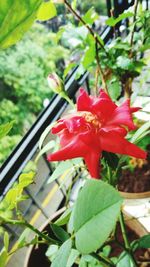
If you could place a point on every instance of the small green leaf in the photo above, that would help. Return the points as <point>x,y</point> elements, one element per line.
<point>26,179</point>
<point>125,260</point>
<point>88,57</point>
<point>61,168</point>
<point>59,232</point>
<point>64,217</point>
<point>96,212</point>
<point>144,242</point>
<point>62,255</point>
<point>23,238</point>
<point>90,16</point>
<point>73,256</point>
<point>46,11</point>
<point>113,21</point>
<point>51,252</point>
<point>3,257</point>
<point>137,136</point>
<point>45,149</point>
<point>5,129</point>
<point>114,88</point>
<point>45,133</point>
<point>6,240</point>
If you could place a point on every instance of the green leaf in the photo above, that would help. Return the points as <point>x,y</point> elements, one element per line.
<point>62,255</point>
<point>59,232</point>
<point>90,16</point>
<point>114,88</point>
<point>113,21</point>
<point>46,148</point>
<point>124,63</point>
<point>26,179</point>
<point>61,168</point>
<point>96,212</point>
<point>144,241</point>
<point>64,217</point>
<point>139,133</point>
<point>5,128</point>
<point>23,238</point>
<point>89,56</point>
<point>68,68</point>
<point>3,257</point>
<point>124,260</point>
<point>16,17</point>
<point>73,256</point>
<point>6,240</point>
<point>51,252</point>
<point>46,11</point>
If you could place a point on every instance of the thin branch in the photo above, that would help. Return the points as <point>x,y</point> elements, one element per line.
<point>85,24</point>
<point>100,69</point>
<point>126,242</point>
<point>103,259</point>
<point>134,19</point>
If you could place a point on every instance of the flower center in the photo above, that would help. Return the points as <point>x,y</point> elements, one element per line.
<point>92,119</point>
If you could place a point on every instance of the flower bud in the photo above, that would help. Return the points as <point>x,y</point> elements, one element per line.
<point>55,83</point>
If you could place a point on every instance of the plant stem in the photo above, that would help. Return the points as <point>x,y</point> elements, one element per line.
<point>97,42</point>
<point>66,97</point>
<point>103,259</point>
<point>134,19</point>
<point>126,242</point>
<point>100,69</point>
<point>35,230</point>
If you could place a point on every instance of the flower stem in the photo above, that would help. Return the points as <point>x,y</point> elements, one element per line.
<point>103,259</point>
<point>66,97</point>
<point>126,242</point>
<point>35,230</point>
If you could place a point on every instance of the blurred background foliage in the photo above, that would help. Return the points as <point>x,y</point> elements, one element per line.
<point>23,81</point>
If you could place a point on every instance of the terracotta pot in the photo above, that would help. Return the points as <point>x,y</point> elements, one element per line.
<point>35,256</point>
<point>135,195</point>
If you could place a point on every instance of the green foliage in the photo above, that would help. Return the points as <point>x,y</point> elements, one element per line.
<point>7,144</point>
<point>113,21</point>
<point>5,129</point>
<point>62,255</point>
<point>23,79</point>
<point>98,219</point>
<point>144,242</point>
<point>13,26</point>
<point>85,5</point>
<point>15,194</point>
<point>46,11</point>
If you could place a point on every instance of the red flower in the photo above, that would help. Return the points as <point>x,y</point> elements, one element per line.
<point>99,124</point>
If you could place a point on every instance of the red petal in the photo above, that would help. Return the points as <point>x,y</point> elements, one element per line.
<point>92,161</point>
<point>122,116</point>
<point>84,101</point>
<point>74,149</point>
<point>116,144</point>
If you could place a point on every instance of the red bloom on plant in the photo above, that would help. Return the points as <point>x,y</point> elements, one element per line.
<point>99,124</point>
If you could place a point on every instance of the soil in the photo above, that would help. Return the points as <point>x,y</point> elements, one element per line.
<point>139,255</point>
<point>137,181</point>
